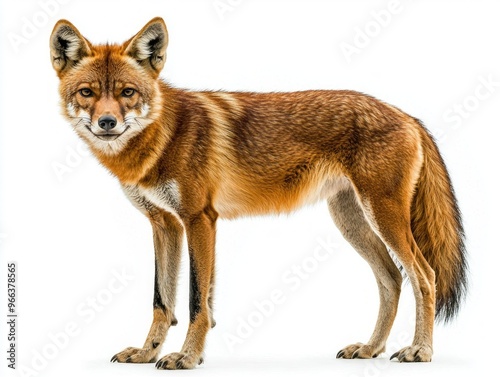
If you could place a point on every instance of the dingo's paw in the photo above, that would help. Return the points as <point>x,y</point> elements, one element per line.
<point>135,355</point>
<point>358,351</point>
<point>179,360</point>
<point>414,353</point>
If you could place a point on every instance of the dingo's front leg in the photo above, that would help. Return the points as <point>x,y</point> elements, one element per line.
<point>201,239</point>
<point>168,235</point>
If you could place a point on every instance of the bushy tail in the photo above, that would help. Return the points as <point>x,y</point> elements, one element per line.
<point>437,229</point>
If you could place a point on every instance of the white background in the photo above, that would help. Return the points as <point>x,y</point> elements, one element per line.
<point>68,233</point>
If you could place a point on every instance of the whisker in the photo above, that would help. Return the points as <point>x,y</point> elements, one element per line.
<point>75,121</point>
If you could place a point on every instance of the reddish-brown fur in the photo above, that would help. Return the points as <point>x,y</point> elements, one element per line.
<point>191,157</point>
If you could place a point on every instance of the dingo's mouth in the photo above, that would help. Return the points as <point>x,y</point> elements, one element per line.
<point>108,136</point>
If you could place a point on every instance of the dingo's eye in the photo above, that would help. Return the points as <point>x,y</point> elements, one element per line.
<point>85,92</point>
<point>128,92</point>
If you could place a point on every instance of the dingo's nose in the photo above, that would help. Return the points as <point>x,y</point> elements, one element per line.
<point>107,122</point>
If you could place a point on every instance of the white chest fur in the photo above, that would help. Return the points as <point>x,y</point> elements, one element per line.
<point>166,196</point>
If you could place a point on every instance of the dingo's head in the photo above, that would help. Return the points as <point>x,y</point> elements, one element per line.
<point>110,93</point>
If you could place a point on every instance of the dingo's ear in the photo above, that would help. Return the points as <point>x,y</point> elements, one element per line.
<point>148,47</point>
<point>67,46</point>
